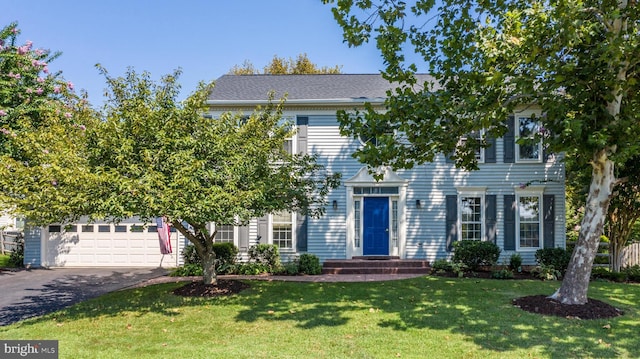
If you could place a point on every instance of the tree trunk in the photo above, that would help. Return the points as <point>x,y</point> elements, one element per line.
<point>209,275</point>
<point>576,280</point>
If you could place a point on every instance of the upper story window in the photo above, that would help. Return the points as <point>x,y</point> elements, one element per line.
<point>477,137</point>
<point>289,143</point>
<point>528,148</point>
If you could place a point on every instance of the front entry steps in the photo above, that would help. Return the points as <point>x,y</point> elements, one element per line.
<point>376,265</point>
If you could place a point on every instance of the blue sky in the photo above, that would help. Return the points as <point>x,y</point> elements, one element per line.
<point>205,38</point>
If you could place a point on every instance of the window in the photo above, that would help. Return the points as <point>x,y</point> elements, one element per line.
<point>477,138</point>
<point>282,230</point>
<point>55,229</point>
<point>120,229</point>
<point>471,218</point>
<point>529,149</point>
<point>87,228</point>
<point>394,222</point>
<point>529,224</point>
<point>375,190</point>
<point>226,233</point>
<point>104,228</point>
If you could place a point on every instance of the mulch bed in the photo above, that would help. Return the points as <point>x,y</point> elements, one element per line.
<point>593,309</point>
<point>199,289</point>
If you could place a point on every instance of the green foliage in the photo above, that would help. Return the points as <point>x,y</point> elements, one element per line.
<point>502,274</point>
<point>441,265</point>
<point>459,268</point>
<point>226,254</point>
<point>267,255</point>
<point>627,274</point>
<point>632,273</point>
<point>187,270</point>
<point>253,268</point>
<point>290,268</point>
<point>16,258</point>
<point>309,264</point>
<point>546,272</point>
<point>515,262</point>
<point>282,66</point>
<point>157,155</point>
<point>558,258</point>
<point>44,175</point>
<point>476,253</point>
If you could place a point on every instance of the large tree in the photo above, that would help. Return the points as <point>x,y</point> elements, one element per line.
<point>281,66</point>
<point>577,61</point>
<point>44,175</point>
<point>156,157</point>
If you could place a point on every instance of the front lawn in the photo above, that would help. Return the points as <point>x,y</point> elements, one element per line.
<point>427,317</point>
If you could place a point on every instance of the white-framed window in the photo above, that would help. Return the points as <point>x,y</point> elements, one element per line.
<point>527,128</point>
<point>226,233</point>
<point>282,230</point>
<point>357,221</point>
<point>479,150</point>
<point>471,213</point>
<point>529,221</point>
<point>289,143</point>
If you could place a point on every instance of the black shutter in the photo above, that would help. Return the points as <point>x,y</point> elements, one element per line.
<point>301,233</point>
<point>510,141</point>
<point>510,222</point>
<point>243,238</point>
<point>548,204</point>
<point>451,221</point>
<point>490,217</point>
<point>263,229</point>
<point>302,122</point>
<point>490,152</point>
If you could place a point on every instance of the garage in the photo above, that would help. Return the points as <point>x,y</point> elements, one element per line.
<point>101,244</point>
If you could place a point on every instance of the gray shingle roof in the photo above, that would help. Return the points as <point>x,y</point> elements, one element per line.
<point>229,88</point>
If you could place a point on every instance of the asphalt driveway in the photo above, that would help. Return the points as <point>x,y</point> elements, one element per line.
<point>30,293</point>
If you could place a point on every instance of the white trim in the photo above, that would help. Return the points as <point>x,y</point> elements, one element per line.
<point>517,117</point>
<point>365,179</point>
<point>539,195</point>
<point>293,232</point>
<point>472,192</point>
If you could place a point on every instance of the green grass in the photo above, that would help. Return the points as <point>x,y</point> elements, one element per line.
<point>427,317</point>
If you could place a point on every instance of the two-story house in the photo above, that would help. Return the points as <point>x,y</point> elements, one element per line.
<point>516,198</point>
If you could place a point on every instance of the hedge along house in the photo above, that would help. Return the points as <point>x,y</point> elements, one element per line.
<point>413,214</point>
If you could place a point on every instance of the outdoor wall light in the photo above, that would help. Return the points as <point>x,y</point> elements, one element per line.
<point>335,204</point>
<point>418,203</point>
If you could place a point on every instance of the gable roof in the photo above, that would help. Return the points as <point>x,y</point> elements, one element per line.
<point>317,88</point>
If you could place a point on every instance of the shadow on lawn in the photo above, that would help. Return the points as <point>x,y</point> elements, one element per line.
<point>68,290</point>
<point>479,310</point>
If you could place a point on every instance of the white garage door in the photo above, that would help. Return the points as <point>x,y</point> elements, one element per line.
<point>106,245</point>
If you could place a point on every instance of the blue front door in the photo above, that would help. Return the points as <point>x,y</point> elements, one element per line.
<point>375,226</point>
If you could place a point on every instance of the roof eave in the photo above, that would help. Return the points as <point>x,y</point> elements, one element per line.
<point>328,102</point>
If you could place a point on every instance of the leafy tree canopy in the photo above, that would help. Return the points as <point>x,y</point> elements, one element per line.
<point>158,157</point>
<point>575,61</point>
<point>43,174</point>
<point>282,66</point>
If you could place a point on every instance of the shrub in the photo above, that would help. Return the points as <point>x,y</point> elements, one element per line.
<point>632,273</point>
<point>187,270</point>
<point>502,274</point>
<point>226,254</point>
<point>252,268</point>
<point>266,254</point>
<point>476,253</point>
<point>309,264</point>
<point>546,272</point>
<point>290,268</point>
<point>458,268</point>
<point>16,258</point>
<point>441,265</point>
<point>557,257</point>
<point>515,262</point>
